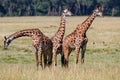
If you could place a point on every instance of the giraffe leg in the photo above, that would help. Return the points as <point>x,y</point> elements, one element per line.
<point>36,55</point>
<point>41,53</point>
<point>62,59</point>
<point>50,55</point>
<point>77,50</point>
<point>45,59</point>
<point>55,56</point>
<point>41,60</point>
<point>66,55</point>
<point>83,49</point>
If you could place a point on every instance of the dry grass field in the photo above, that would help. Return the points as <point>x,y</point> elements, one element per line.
<point>102,58</point>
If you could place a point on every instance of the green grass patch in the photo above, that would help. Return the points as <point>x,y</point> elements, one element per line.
<point>103,50</point>
<point>102,59</point>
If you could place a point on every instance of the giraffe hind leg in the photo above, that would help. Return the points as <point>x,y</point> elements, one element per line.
<point>83,49</point>
<point>45,59</point>
<point>66,55</point>
<point>50,55</point>
<point>62,59</point>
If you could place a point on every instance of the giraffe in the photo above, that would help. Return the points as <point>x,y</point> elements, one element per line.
<point>58,37</point>
<point>78,39</point>
<point>40,42</point>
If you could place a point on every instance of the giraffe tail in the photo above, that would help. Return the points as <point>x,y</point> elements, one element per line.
<point>62,59</point>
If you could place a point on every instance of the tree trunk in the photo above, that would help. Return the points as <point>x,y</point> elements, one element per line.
<point>113,12</point>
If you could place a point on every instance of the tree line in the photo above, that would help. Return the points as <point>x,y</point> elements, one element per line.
<point>55,7</point>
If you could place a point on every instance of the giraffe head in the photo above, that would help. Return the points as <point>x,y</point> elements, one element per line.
<point>6,42</point>
<point>67,12</point>
<point>98,11</point>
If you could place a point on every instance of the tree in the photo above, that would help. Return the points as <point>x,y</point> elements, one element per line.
<point>114,6</point>
<point>55,7</point>
<point>2,9</point>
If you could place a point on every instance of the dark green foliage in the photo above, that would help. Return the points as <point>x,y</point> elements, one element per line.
<point>54,7</point>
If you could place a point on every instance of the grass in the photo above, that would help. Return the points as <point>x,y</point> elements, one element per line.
<point>102,58</point>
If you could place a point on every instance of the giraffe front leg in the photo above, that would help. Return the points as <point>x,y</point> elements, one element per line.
<point>77,50</point>
<point>83,49</point>
<point>36,55</point>
<point>41,53</point>
<point>55,57</point>
<point>41,60</point>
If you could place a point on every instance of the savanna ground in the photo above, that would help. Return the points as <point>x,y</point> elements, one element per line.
<point>102,58</point>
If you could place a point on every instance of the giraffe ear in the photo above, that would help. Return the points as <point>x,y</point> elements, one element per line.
<point>5,37</point>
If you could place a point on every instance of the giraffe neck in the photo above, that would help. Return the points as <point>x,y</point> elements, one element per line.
<point>60,33</point>
<point>86,24</point>
<point>27,32</point>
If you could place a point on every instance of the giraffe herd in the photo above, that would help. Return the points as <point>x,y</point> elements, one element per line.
<point>48,48</point>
